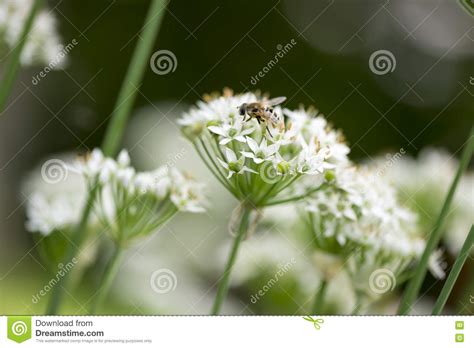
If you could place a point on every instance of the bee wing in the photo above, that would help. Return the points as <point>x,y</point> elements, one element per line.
<point>275,101</point>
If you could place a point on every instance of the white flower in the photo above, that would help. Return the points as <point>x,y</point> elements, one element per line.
<point>262,152</point>
<point>230,132</point>
<point>128,204</point>
<point>424,182</point>
<point>46,215</point>
<point>436,264</point>
<point>312,160</point>
<point>123,159</point>
<point>305,147</point>
<point>185,193</point>
<point>54,206</point>
<point>360,210</point>
<point>42,45</point>
<point>234,165</point>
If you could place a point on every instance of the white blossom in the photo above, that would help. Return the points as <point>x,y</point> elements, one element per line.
<point>234,165</point>
<point>43,42</point>
<point>132,204</point>
<point>54,206</point>
<point>230,132</point>
<point>423,183</point>
<point>262,152</point>
<point>278,156</point>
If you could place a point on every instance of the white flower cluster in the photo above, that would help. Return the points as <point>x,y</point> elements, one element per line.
<point>134,203</point>
<point>362,209</point>
<point>43,43</point>
<point>256,163</point>
<point>359,218</point>
<point>53,206</point>
<point>128,203</point>
<point>423,183</point>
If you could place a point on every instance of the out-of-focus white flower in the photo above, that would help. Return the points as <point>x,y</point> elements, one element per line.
<point>132,204</point>
<point>43,43</point>
<point>359,218</point>
<point>361,208</point>
<point>52,206</point>
<point>270,163</point>
<point>423,184</point>
<point>437,265</point>
<point>46,215</point>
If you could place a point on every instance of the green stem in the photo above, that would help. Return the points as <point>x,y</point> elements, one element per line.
<point>107,278</point>
<point>223,286</point>
<point>414,285</point>
<point>361,302</point>
<point>133,77</point>
<point>294,198</point>
<point>13,65</point>
<point>319,298</point>
<point>78,236</point>
<point>453,275</point>
<point>115,128</point>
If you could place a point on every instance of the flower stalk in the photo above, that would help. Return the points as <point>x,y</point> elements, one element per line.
<point>320,297</point>
<point>223,286</point>
<point>116,126</point>
<point>414,285</point>
<point>453,275</point>
<point>13,65</point>
<point>71,251</point>
<point>107,278</point>
<point>259,162</point>
<point>133,77</point>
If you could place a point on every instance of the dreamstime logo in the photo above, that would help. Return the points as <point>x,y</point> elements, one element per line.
<point>382,62</point>
<point>54,171</point>
<point>19,328</point>
<point>163,62</point>
<point>269,173</point>
<point>381,281</point>
<point>471,80</point>
<point>163,281</point>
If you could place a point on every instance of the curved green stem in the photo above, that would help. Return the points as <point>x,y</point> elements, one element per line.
<point>115,129</point>
<point>294,198</point>
<point>78,236</point>
<point>223,286</point>
<point>107,278</point>
<point>414,285</point>
<point>13,65</point>
<point>453,275</point>
<point>133,77</point>
<point>320,297</point>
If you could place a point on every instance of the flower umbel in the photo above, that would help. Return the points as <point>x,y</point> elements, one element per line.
<point>253,165</point>
<point>132,204</point>
<point>359,219</point>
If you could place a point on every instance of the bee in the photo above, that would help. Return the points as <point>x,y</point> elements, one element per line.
<point>262,111</point>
